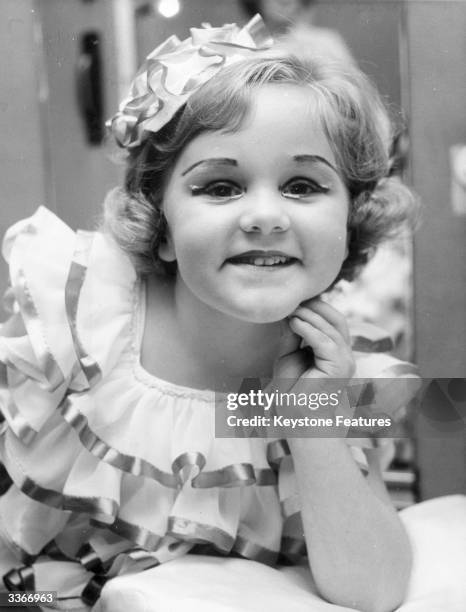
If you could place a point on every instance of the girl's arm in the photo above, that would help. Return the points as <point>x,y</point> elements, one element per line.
<point>357,547</point>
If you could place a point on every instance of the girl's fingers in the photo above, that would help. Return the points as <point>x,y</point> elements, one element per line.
<point>324,346</point>
<point>332,355</point>
<point>318,322</point>
<point>324,330</point>
<point>330,314</point>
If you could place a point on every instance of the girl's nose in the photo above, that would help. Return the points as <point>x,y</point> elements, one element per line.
<point>265,214</point>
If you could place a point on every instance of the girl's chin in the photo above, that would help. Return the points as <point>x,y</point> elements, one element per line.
<point>269,314</point>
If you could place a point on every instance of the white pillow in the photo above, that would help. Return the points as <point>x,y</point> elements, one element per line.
<point>437,529</point>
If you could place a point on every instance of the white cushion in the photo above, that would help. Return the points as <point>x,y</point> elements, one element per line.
<point>437,530</point>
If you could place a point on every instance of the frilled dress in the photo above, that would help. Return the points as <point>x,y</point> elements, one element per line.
<point>106,468</point>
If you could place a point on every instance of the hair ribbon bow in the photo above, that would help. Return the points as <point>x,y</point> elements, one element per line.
<point>175,70</point>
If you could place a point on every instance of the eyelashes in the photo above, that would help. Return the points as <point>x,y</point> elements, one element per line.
<point>220,190</point>
<point>296,188</point>
<point>302,187</point>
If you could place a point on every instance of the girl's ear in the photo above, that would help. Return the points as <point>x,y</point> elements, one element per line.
<point>166,250</point>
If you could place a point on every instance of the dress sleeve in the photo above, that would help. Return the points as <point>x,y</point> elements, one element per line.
<point>71,301</point>
<point>37,355</point>
<point>70,296</point>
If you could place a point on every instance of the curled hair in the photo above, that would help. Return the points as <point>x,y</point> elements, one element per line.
<point>354,121</point>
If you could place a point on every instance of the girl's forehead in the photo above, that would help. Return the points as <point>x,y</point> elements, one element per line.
<point>279,94</point>
<point>279,117</point>
<point>285,105</point>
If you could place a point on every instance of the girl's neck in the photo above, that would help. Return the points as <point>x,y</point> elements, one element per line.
<point>191,344</point>
<point>224,343</point>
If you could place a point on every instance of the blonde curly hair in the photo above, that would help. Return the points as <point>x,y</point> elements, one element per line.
<point>353,117</point>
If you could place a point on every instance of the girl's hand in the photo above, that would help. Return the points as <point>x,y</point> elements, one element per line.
<point>324,330</point>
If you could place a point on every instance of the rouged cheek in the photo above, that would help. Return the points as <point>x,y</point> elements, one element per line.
<point>196,255</point>
<point>321,247</point>
<point>198,238</point>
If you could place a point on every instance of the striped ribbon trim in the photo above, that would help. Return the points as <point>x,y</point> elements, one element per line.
<point>240,474</point>
<point>20,579</point>
<point>362,344</point>
<point>75,281</point>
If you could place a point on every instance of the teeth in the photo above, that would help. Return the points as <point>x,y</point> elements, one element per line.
<point>270,260</point>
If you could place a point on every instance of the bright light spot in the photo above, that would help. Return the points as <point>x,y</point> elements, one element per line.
<point>169,8</point>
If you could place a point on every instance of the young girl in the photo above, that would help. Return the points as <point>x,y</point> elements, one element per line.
<point>255,181</point>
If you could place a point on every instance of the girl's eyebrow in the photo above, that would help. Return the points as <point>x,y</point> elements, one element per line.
<point>305,157</point>
<point>226,161</point>
<point>213,161</point>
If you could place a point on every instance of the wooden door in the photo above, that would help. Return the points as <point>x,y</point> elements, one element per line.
<point>46,158</point>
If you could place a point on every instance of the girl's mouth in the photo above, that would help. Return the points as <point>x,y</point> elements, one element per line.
<point>262,259</point>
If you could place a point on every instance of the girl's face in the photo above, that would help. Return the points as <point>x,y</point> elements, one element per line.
<point>257,218</point>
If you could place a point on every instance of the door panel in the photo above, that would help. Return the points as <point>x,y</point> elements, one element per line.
<point>46,158</point>
<point>80,173</point>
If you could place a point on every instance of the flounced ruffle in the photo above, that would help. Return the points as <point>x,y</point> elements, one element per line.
<point>70,451</point>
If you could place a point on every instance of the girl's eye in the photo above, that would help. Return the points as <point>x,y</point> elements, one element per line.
<point>219,190</point>
<point>302,188</point>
